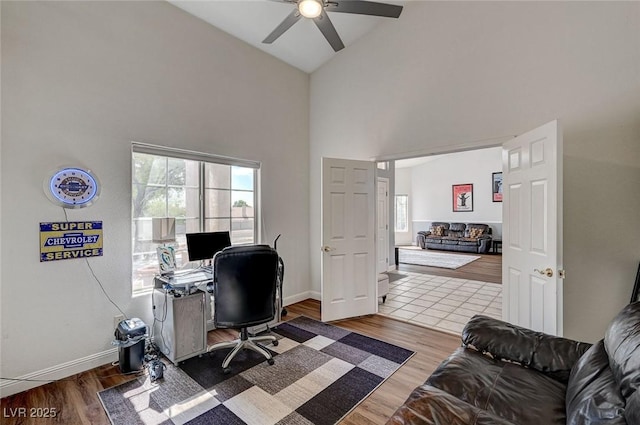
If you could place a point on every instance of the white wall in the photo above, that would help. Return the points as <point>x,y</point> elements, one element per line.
<point>432,186</point>
<point>458,74</point>
<point>80,81</point>
<point>429,186</point>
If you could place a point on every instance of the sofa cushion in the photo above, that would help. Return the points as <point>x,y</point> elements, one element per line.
<point>457,227</point>
<point>593,396</point>
<point>433,239</point>
<point>512,392</point>
<point>632,409</point>
<point>450,240</point>
<point>428,405</point>
<point>468,241</point>
<point>622,343</point>
<point>551,355</point>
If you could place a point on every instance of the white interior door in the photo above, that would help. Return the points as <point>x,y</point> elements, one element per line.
<point>382,228</point>
<point>532,229</point>
<point>348,239</point>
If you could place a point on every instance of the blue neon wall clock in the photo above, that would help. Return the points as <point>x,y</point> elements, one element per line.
<point>72,187</point>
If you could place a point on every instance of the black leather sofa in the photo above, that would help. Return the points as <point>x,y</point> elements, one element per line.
<point>462,237</point>
<point>508,375</point>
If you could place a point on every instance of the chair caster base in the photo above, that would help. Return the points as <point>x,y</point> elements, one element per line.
<point>270,361</point>
<point>226,370</point>
<point>275,343</point>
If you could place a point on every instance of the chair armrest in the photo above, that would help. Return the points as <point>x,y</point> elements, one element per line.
<point>552,355</point>
<point>428,405</point>
<point>420,240</point>
<point>484,243</point>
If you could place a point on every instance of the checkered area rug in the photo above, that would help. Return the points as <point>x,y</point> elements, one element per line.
<point>321,373</point>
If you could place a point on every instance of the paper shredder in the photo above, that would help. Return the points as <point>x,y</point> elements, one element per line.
<point>130,339</point>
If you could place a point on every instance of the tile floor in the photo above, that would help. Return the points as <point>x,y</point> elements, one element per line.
<point>441,303</point>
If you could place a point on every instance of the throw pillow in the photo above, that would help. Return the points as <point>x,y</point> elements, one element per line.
<point>437,230</point>
<point>475,232</point>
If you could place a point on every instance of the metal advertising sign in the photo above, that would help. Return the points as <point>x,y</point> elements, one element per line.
<point>70,239</point>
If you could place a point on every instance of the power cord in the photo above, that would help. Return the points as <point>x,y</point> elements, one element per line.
<point>135,373</point>
<point>154,366</point>
<point>161,321</point>
<point>96,277</point>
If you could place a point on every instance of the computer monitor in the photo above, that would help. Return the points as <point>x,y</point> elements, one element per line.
<point>203,246</point>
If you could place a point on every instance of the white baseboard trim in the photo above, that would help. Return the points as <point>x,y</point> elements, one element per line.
<point>301,297</point>
<point>64,370</point>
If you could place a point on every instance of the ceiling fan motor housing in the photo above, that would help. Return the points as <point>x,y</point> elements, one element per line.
<point>314,9</point>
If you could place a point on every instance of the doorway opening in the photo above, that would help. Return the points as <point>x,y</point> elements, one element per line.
<point>532,269</point>
<point>423,289</point>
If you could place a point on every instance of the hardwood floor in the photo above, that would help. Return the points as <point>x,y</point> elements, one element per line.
<point>75,400</point>
<point>486,269</point>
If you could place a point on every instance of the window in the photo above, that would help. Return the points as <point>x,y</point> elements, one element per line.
<point>402,213</point>
<point>204,193</point>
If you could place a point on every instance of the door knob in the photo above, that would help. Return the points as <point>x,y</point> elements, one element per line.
<point>327,248</point>
<point>548,272</point>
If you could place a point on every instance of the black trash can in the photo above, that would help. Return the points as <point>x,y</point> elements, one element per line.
<point>130,338</point>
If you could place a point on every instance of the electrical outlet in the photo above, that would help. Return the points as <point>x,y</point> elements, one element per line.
<point>117,319</point>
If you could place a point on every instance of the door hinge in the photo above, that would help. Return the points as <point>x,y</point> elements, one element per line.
<point>561,273</point>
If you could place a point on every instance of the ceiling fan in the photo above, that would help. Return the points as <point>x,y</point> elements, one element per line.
<point>317,10</point>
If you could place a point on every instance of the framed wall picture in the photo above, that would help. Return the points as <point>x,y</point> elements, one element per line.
<point>496,187</point>
<point>462,197</point>
<point>635,295</point>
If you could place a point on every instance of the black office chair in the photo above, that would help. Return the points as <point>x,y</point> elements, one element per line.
<point>244,290</point>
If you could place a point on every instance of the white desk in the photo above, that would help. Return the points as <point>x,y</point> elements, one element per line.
<point>179,328</point>
<point>181,304</point>
<point>186,283</point>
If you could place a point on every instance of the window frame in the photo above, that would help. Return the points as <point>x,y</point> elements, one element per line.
<point>406,215</point>
<point>202,159</point>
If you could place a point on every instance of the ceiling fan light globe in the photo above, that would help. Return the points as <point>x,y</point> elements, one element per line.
<point>310,8</point>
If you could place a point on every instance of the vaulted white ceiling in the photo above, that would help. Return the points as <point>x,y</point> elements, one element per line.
<point>302,46</point>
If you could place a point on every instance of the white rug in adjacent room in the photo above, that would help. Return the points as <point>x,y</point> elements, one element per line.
<point>434,259</point>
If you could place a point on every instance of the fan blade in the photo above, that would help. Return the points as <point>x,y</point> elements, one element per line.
<point>288,22</point>
<point>365,8</point>
<point>328,30</point>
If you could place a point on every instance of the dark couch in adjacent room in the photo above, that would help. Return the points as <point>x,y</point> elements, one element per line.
<point>462,237</point>
<point>508,375</point>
